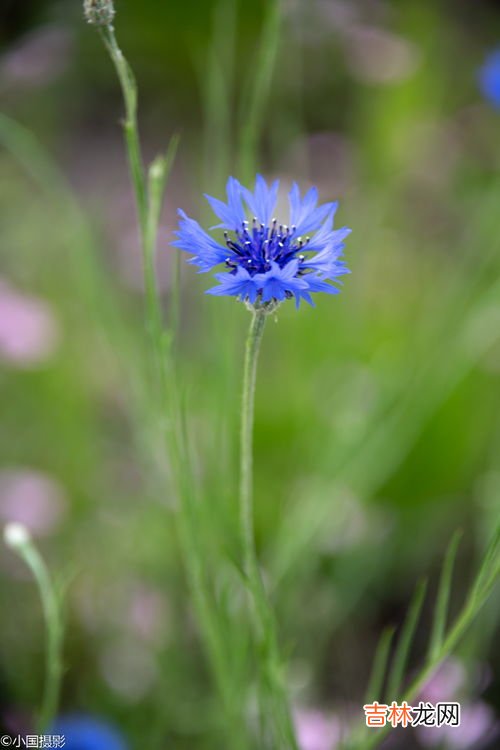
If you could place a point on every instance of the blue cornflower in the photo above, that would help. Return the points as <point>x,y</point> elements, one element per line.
<point>489,78</point>
<point>268,262</point>
<point>87,733</point>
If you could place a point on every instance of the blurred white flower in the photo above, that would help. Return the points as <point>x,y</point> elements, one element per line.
<point>29,332</point>
<point>129,668</point>
<point>377,56</point>
<point>16,535</point>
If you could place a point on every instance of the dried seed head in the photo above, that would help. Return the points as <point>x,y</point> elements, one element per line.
<point>99,12</point>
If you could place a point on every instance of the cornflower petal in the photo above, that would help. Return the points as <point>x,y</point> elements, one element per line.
<point>193,239</point>
<point>239,284</point>
<point>305,215</point>
<point>232,213</point>
<point>262,201</point>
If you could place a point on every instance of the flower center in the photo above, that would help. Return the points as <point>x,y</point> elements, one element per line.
<point>255,247</point>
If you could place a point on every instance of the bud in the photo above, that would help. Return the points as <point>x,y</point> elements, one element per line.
<point>16,535</point>
<point>99,12</point>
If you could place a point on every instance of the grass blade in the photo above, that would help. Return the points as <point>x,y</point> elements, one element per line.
<point>490,569</point>
<point>405,641</point>
<point>379,669</point>
<point>443,597</point>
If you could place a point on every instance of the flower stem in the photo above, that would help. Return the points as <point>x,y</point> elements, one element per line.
<point>271,679</point>
<point>246,456</point>
<point>54,629</point>
<point>149,188</point>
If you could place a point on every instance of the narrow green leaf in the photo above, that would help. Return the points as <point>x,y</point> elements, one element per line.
<point>489,571</point>
<point>379,669</point>
<point>443,597</point>
<point>405,642</point>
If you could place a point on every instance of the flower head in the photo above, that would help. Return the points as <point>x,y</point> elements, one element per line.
<point>99,12</point>
<point>267,262</point>
<point>16,535</point>
<point>489,78</point>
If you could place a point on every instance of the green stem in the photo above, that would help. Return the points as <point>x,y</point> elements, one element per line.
<point>54,631</point>
<point>272,682</point>
<point>131,128</point>
<point>246,455</point>
<point>149,191</point>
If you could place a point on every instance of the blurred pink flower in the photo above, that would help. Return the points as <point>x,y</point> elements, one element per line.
<point>36,59</point>
<point>477,723</point>
<point>148,614</point>
<point>446,683</point>
<point>316,730</point>
<point>32,499</point>
<point>29,333</point>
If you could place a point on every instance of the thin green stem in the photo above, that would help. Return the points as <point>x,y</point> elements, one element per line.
<point>271,678</point>
<point>246,447</point>
<point>130,125</point>
<point>53,624</point>
<point>149,190</point>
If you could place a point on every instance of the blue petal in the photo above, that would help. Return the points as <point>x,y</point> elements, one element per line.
<point>232,212</point>
<point>304,213</point>
<point>276,282</point>
<point>303,294</point>
<point>314,284</point>
<point>327,262</point>
<point>262,201</point>
<point>193,239</point>
<point>326,236</point>
<point>239,284</point>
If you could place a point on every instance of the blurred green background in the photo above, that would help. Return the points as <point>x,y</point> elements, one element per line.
<point>377,432</point>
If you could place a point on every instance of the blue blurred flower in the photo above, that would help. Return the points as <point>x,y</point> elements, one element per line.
<point>489,78</point>
<point>87,733</point>
<point>268,262</point>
